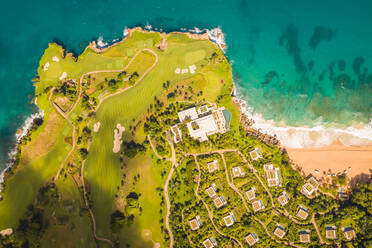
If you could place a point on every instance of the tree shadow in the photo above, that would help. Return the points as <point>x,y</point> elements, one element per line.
<point>364,178</point>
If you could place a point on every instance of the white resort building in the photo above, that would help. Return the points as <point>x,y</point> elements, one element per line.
<point>237,172</point>
<point>279,231</point>
<point>310,186</point>
<point>272,175</point>
<point>349,232</point>
<point>229,219</point>
<point>257,205</point>
<point>177,134</point>
<point>283,198</point>
<point>251,239</point>
<point>209,243</point>
<point>219,201</point>
<point>251,194</point>
<point>212,166</point>
<point>304,236</point>
<point>188,114</point>
<point>204,122</point>
<point>302,213</point>
<point>255,154</point>
<point>330,231</point>
<point>195,223</point>
<point>211,192</point>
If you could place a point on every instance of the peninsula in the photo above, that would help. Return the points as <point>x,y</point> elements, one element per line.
<point>142,144</point>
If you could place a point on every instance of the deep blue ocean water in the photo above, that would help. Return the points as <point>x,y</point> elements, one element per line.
<point>298,62</point>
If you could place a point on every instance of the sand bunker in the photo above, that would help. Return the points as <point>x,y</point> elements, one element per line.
<point>118,132</point>
<point>146,234</point>
<point>6,232</point>
<point>96,127</point>
<point>63,76</point>
<point>46,66</point>
<point>191,69</point>
<point>55,59</point>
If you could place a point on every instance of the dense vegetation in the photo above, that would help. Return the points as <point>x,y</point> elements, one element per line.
<point>124,192</point>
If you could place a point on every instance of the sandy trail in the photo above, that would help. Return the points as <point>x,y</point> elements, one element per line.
<point>65,116</point>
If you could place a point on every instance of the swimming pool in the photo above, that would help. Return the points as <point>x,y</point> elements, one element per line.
<point>227,116</point>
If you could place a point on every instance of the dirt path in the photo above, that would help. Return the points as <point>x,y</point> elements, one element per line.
<point>231,184</point>
<point>317,229</point>
<point>171,171</point>
<point>312,221</point>
<point>65,116</point>
<point>210,214</point>
<point>327,193</point>
<point>108,71</point>
<point>90,210</point>
<point>73,132</point>
<point>154,150</point>
<point>103,99</point>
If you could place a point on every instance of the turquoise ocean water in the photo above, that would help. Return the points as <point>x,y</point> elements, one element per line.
<point>302,63</point>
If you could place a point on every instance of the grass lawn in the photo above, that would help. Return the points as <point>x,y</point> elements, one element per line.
<point>22,188</point>
<point>148,221</point>
<point>103,166</point>
<point>44,155</point>
<point>77,229</point>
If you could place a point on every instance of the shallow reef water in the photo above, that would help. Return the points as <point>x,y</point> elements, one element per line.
<point>297,63</point>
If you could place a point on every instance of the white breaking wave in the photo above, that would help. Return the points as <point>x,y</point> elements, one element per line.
<point>217,36</point>
<point>148,27</point>
<point>125,32</point>
<point>19,135</point>
<point>305,137</point>
<point>101,43</point>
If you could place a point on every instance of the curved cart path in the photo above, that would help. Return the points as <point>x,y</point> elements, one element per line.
<point>66,115</point>
<point>171,171</point>
<point>210,214</point>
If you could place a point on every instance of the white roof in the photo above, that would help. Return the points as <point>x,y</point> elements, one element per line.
<point>188,113</point>
<point>229,220</point>
<point>206,125</point>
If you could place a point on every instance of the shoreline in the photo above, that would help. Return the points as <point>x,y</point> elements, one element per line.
<point>320,135</point>
<point>289,137</point>
<point>19,135</point>
<point>323,160</point>
<point>333,160</point>
<point>27,124</point>
<point>215,35</point>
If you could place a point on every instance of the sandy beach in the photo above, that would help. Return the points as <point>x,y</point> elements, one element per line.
<point>336,157</point>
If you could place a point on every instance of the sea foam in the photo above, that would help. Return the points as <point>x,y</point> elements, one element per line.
<point>18,136</point>
<point>101,43</point>
<point>306,137</point>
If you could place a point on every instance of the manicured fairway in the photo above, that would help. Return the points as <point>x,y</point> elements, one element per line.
<point>68,206</point>
<point>149,220</point>
<point>103,167</point>
<point>22,188</point>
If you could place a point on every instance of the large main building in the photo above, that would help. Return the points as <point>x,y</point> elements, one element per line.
<point>202,122</point>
